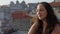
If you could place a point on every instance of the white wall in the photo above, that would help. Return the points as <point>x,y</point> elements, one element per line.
<point>56,10</point>
<point>57,0</point>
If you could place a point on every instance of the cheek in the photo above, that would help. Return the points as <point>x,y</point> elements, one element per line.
<point>38,14</point>
<point>44,14</point>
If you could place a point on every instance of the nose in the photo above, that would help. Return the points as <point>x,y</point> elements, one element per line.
<point>39,12</point>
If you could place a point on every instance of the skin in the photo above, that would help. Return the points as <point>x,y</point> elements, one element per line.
<point>41,12</point>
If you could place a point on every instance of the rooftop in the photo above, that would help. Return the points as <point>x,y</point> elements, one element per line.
<point>55,4</point>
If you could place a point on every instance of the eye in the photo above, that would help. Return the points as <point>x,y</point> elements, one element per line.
<point>38,10</point>
<point>41,10</point>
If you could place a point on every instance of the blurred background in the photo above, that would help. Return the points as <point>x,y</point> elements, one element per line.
<point>16,16</point>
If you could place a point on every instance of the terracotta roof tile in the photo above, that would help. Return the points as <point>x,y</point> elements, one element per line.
<point>55,4</point>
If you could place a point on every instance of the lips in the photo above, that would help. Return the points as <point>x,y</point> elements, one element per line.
<point>40,15</point>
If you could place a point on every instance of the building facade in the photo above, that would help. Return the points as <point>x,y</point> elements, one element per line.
<point>17,15</point>
<point>56,7</point>
<point>12,14</point>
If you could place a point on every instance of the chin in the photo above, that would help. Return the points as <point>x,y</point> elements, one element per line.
<point>41,18</point>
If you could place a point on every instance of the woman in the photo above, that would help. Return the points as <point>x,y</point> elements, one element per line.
<point>47,22</point>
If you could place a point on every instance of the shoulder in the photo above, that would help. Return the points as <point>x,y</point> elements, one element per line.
<point>57,29</point>
<point>58,26</point>
<point>33,28</point>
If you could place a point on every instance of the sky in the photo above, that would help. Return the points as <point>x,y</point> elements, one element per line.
<point>6,2</point>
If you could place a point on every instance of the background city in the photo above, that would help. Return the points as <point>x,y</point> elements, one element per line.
<point>17,16</point>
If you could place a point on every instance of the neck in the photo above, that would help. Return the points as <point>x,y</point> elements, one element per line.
<point>44,25</point>
<point>44,22</point>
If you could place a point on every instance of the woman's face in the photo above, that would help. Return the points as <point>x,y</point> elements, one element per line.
<point>41,12</point>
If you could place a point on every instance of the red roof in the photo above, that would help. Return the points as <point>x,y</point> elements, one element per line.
<point>19,14</point>
<point>55,4</point>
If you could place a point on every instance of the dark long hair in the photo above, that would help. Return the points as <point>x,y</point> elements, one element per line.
<point>51,20</point>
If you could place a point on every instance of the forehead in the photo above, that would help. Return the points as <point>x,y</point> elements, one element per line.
<point>40,6</point>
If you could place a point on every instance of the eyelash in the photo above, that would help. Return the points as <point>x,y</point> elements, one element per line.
<point>39,10</point>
